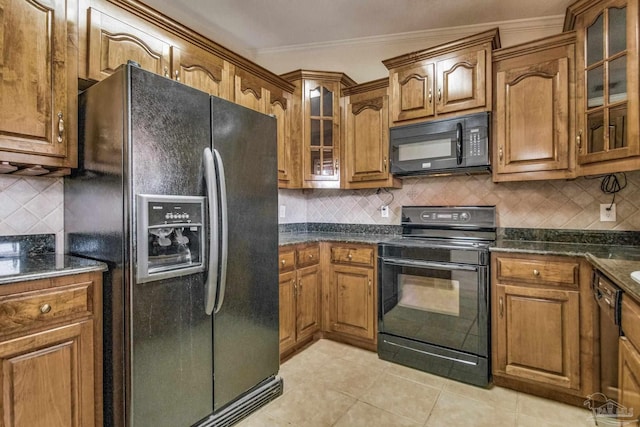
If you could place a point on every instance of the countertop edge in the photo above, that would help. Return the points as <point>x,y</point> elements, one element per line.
<point>48,273</point>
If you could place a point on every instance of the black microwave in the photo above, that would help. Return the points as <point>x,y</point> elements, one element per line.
<point>457,145</point>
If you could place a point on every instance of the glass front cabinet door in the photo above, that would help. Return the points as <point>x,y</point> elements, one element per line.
<point>607,81</point>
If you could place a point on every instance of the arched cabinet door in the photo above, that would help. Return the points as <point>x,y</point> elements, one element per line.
<point>201,70</point>
<point>461,81</point>
<point>37,101</point>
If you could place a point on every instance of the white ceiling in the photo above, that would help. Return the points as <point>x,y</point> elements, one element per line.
<point>255,25</point>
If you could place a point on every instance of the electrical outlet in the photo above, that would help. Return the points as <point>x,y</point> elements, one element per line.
<point>283,211</point>
<point>607,214</point>
<point>384,211</point>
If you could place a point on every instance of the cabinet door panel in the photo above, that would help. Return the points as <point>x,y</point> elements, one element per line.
<point>113,42</point>
<point>280,107</point>
<point>412,92</point>
<point>201,70</point>
<point>367,142</point>
<point>33,79</point>
<point>351,308</point>
<point>538,336</point>
<point>308,312</point>
<point>47,378</point>
<point>533,118</point>
<point>628,375</point>
<point>287,305</point>
<point>461,82</point>
<point>249,92</point>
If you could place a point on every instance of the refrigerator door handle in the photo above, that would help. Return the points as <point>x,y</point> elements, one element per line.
<point>212,197</point>
<point>224,229</point>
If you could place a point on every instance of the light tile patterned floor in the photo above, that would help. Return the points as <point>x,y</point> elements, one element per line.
<point>332,384</point>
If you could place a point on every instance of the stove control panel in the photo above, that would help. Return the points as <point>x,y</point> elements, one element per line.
<point>443,216</point>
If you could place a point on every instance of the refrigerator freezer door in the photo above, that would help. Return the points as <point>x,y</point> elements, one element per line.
<point>246,325</point>
<point>170,342</point>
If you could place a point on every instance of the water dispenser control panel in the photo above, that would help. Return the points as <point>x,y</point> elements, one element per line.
<point>171,236</point>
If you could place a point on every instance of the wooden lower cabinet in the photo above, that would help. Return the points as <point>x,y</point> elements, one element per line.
<point>51,352</point>
<point>629,376</point>
<point>543,326</point>
<point>350,294</point>
<point>300,284</point>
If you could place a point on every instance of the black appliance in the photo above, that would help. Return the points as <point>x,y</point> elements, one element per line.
<point>434,292</point>
<point>458,145</point>
<point>609,299</point>
<point>177,191</point>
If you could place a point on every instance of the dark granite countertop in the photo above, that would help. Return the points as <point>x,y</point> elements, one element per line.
<point>33,267</point>
<point>292,238</point>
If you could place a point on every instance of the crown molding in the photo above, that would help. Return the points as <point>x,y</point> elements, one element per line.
<point>429,37</point>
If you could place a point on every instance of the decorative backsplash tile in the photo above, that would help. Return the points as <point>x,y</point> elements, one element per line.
<point>564,204</point>
<point>30,205</point>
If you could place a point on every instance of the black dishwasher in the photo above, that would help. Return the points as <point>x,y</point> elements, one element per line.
<point>608,297</point>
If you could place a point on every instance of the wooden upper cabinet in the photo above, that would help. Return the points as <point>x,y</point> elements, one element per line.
<point>442,80</point>
<point>534,110</point>
<point>249,91</point>
<point>366,146</point>
<point>112,42</point>
<point>607,84</point>
<point>316,125</point>
<point>280,107</point>
<point>461,81</point>
<point>412,92</point>
<point>202,70</point>
<point>38,85</point>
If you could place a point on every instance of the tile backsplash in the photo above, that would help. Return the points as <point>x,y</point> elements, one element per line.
<point>570,204</point>
<point>30,205</point>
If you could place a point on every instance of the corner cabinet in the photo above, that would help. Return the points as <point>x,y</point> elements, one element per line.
<point>316,125</point>
<point>366,141</point>
<point>442,80</point>
<point>543,325</point>
<point>299,296</point>
<point>51,352</point>
<point>607,84</point>
<point>350,294</point>
<point>534,110</point>
<point>38,105</point>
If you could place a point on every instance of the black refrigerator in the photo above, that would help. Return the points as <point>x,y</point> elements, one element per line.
<point>176,191</point>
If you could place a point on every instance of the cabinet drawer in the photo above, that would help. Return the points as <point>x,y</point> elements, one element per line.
<point>286,260</point>
<point>308,256</point>
<point>551,272</point>
<point>33,309</point>
<point>352,255</point>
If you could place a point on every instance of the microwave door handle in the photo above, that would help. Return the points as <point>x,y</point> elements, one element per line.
<point>459,143</point>
<point>212,198</point>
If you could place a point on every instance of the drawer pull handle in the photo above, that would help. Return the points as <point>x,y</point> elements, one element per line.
<point>536,273</point>
<point>310,256</point>
<point>350,256</point>
<point>283,262</point>
<point>45,308</point>
<point>60,127</point>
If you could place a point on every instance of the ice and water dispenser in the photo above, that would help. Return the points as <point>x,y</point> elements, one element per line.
<point>171,236</point>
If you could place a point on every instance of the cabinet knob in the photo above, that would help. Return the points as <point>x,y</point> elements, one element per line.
<point>45,308</point>
<point>166,71</point>
<point>369,286</point>
<point>177,74</point>
<point>283,262</point>
<point>350,256</point>
<point>60,127</point>
<point>430,96</point>
<point>439,95</point>
<point>501,304</point>
<point>310,256</point>
<point>536,273</point>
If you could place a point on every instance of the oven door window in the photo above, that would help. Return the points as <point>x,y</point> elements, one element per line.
<point>444,306</point>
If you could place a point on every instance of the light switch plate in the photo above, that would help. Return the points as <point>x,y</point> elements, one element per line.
<point>607,214</point>
<point>283,211</point>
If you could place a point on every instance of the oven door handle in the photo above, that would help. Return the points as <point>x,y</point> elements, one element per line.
<point>427,264</point>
